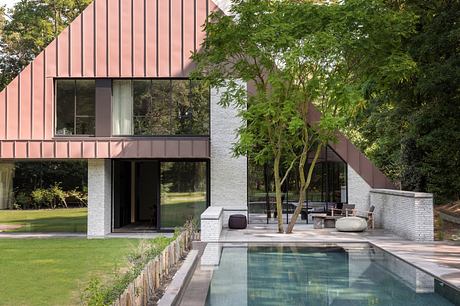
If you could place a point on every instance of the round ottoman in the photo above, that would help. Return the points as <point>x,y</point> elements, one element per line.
<point>351,224</point>
<point>237,222</point>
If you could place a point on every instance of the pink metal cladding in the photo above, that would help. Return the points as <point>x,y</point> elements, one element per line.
<point>196,147</point>
<point>138,38</point>
<point>355,158</point>
<point>106,40</point>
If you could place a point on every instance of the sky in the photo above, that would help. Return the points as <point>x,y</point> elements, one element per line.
<point>8,3</point>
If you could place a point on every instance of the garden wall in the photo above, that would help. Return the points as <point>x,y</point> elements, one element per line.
<point>406,214</point>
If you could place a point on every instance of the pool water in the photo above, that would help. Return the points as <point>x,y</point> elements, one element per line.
<point>341,274</point>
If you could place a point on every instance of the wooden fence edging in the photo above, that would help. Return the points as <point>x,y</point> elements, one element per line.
<point>142,289</point>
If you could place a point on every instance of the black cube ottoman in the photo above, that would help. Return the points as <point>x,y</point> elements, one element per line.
<point>237,222</point>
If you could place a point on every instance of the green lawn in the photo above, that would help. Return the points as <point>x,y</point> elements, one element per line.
<point>46,220</point>
<point>55,271</point>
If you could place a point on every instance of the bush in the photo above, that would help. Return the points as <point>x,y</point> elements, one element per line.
<point>53,197</point>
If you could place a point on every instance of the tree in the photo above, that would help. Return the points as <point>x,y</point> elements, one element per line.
<point>29,28</point>
<point>296,54</point>
<point>415,123</point>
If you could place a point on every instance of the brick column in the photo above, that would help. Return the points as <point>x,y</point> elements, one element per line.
<point>99,197</point>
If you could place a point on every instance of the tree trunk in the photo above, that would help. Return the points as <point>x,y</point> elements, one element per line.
<point>303,183</point>
<point>279,208</point>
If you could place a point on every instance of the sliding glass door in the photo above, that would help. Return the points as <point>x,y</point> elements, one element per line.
<point>152,194</point>
<point>183,192</point>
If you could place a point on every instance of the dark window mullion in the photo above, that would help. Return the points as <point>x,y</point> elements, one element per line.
<point>75,107</point>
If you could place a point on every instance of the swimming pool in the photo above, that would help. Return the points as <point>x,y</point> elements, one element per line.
<point>327,274</point>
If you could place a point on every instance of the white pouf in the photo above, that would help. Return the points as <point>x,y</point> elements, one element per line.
<point>351,224</point>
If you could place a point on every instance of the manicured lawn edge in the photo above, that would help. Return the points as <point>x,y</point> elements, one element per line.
<point>148,267</point>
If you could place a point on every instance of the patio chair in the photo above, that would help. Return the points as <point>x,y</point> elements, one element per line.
<point>368,216</point>
<point>345,211</point>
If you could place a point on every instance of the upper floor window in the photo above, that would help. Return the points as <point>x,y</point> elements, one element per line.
<point>75,107</point>
<point>160,107</point>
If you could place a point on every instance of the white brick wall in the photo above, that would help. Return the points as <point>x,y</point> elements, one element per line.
<point>358,190</point>
<point>228,174</point>
<point>211,224</point>
<point>407,214</point>
<point>99,197</point>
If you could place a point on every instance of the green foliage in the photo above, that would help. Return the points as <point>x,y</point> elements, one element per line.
<point>411,130</point>
<point>53,197</point>
<point>31,25</point>
<point>295,54</point>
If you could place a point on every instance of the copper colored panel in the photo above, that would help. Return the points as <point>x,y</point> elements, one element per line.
<point>114,38</point>
<point>88,41</point>
<point>7,149</point>
<point>186,148</point>
<point>12,109</point>
<point>366,169</point>
<point>126,39</point>
<point>35,149</point>
<point>62,149</point>
<point>189,36</point>
<point>151,38</point>
<point>2,115</point>
<point>201,16</point>
<point>201,148</point>
<point>163,39</point>
<point>50,58</point>
<point>75,148</point>
<point>63,53</point>
<point>130,148</point>
<point>75,47</point>
<point>25,104</point>
<point>158,148</point>
<point>38,104</point>
<point>20,150</point>
<point>101,37</point>
<point>138,38</point>
<point>353,156</point>
<point>103,107</point>
<point>49,113</point>
<point>89,149</point>
<point>172,148</point>
<point>176,38</point>
<point>145,149</point>
<point>380,181</point>
<point>116,148</point>
<point>48,150</point>
<point>102,149</point>
<point>341,146</point>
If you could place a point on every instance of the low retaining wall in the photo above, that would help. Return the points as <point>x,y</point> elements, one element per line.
<point>214,218</point>
<point>211,224</point>
<point>406,214</point>
<point>142,290</point>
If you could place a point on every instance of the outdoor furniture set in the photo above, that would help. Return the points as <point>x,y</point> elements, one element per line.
<point>350,219</point>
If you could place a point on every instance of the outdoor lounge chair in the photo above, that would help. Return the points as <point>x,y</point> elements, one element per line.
<point>368,216</point>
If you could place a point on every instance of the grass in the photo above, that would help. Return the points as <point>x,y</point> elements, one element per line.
<point>46,220</point>
<point>55,271</point>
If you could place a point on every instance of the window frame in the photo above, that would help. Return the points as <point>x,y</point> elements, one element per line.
<point>75,116</point>
<point>170,103</point>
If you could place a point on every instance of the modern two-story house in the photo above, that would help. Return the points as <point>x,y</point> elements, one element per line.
<point>114,89</point>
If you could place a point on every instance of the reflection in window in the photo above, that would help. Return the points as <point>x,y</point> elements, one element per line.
<point>183,192</point>
<point>75,107</point>
<point>161,107</point>
<point>328,185</point>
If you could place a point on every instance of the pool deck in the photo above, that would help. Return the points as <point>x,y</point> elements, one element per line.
<point>439,259</point>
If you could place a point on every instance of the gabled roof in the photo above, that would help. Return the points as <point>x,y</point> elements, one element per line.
<point>355,158</point>
<point>111,38</point>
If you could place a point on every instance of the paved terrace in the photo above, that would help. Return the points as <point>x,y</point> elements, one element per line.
<point>439,259</point>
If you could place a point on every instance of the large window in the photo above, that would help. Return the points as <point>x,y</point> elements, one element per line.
<point>75,107</point>
<point>160,107</point>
